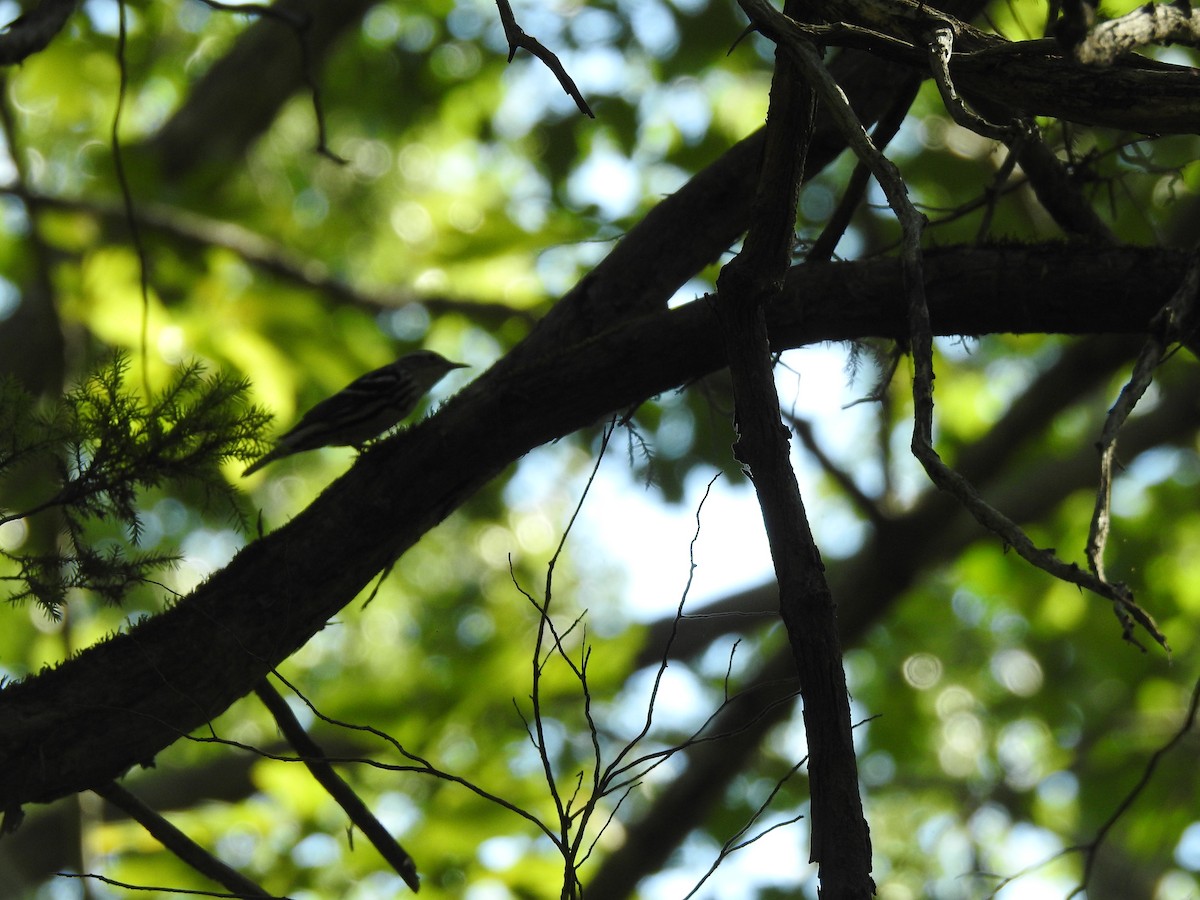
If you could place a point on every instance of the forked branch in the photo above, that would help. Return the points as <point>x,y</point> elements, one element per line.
<point>1177,322</point>
<point>786,32</point>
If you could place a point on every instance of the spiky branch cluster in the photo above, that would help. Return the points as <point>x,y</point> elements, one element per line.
<point>94,455</point>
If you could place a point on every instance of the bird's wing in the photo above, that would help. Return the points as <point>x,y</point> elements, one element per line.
<point>344,416</point>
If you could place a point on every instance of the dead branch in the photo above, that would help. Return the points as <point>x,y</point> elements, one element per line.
<point>1153,23</point>
<point>1175,323</point>
<point>517,38</point>
<point>317,762</point>
<point>839,838</point>
<point>179,843</point>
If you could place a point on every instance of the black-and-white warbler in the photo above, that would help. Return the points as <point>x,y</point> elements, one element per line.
<point>365,408</point>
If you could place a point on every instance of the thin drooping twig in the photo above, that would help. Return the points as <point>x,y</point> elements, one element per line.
<point>1128,612</point>
<point>941,48</point>
<point>179,843</point>
<point>135,234</point>
<point>299,24</point>
<point>1174,323</point>
<point>318,764</point>
<point>517,38</point>
<point>885,129</point>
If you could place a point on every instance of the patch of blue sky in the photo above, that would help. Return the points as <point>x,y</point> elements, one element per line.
<point>608,181</point>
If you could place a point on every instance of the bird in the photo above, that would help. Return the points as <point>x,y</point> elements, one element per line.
<point>363,409</point>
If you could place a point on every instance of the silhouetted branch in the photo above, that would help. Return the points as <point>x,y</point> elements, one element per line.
<point>1176,322</point>
<point>273,258</point>
<point>345,797</point>
<point>179,843</point>
<point>34,30</point>
<point>517,38</point>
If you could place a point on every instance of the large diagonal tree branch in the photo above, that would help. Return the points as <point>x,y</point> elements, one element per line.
<point>121,702</point>
<point>678,238</point>
<point>1030,78</point>
<point>619,288</point>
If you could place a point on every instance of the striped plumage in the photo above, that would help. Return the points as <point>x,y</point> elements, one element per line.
<point>365,408</point>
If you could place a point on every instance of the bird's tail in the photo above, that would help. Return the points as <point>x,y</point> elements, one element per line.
<point>275,454</point>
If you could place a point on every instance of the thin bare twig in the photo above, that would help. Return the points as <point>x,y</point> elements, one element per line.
<point>158,889</point>
<point>179,843</point>
<point>666,654</point>
<point>421,765</point>
<point>135,235</point>
<point>620,775</point>
<point>517,38</point>
<point>547,624</point>
<point>729,670</point>
<point>866,505</point>
<point>885,129</point>
<point>1176,322</point>
<point>299,25</point>
<point>733,844</point>
<point>316,761</point>
<point>567,815</point>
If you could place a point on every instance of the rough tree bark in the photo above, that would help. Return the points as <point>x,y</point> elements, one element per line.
<point>839,836</point>
<point>119,703</point>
